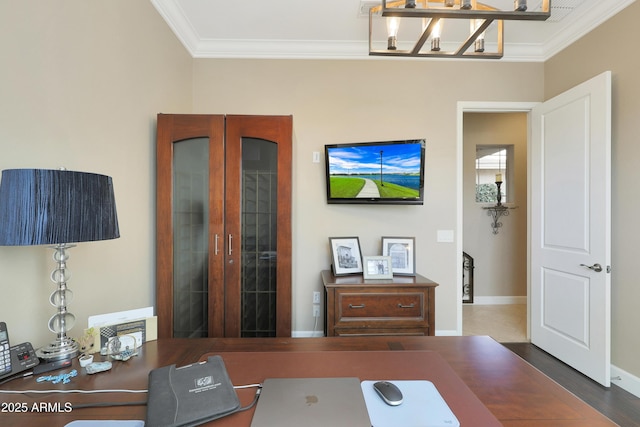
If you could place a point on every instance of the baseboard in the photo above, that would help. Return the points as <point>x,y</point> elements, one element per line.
<point>499,300</point>
<point>315,334</point>
<point>307,334</point>
<point>625,380</point>
<point>446,333</point>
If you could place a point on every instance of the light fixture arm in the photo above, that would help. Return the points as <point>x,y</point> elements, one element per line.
<point>482,11</point>
<point>473,37</point>
<point>425,35</point>
<point>436,11</point>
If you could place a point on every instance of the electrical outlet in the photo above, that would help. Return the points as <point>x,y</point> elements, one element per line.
<point>316,297</point>
<point>316,311</point>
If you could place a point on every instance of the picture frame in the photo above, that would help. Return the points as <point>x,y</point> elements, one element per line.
<point>402,253</point>
<point>377,267</point>
<point>346,255</point>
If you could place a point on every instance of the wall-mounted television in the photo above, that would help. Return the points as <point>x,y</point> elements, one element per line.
<point>390,172</point>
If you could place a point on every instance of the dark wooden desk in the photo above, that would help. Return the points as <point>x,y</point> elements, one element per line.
<point>513,391</point>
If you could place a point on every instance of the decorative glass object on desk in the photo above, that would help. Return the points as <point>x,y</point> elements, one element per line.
<point>121,347</point>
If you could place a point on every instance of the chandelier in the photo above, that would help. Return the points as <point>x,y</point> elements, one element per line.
<point>409,37</point>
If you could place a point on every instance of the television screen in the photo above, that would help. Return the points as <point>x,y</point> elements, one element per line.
<point>389,172</point>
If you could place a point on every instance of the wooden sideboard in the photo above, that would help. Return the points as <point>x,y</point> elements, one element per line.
<point>404,305</point>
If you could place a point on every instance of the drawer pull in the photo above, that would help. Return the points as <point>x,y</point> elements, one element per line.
<point>406,306</point>
<point>356,306</point>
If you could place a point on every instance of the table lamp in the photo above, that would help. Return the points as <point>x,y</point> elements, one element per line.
<point>57,208</point>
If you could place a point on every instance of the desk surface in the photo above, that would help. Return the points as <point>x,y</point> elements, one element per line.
<point>513,391</point>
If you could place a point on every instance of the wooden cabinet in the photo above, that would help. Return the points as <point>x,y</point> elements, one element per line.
<point>223,225</point>
<point>404,305</point>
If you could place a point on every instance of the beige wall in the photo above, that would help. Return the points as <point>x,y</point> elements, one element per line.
<point>351,101</point>
<point>500,260</point>
<point>81,84</point>
<point>609,48</point>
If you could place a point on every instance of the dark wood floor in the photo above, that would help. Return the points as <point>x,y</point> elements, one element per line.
<point>616,403</point>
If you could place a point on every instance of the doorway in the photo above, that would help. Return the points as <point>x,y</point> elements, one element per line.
<point>500,303</point>
<point>569,134</point>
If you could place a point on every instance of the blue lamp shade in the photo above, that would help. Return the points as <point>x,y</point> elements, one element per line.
<point>50,207</point>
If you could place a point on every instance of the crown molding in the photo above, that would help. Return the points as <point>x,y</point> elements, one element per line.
<point>582,25</point>
<point>198,47</point>
<point>281,49</point>
<point>178,22</point>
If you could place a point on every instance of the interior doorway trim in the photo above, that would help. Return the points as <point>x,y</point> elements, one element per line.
<point>484,107</point>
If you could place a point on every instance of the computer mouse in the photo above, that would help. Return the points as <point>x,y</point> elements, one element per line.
<point>389,392</point>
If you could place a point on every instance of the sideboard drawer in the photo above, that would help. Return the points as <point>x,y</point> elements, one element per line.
<point>403,305</point>
<point>381,305</point>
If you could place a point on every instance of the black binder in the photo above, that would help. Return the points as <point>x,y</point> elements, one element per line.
<point>190,395</point>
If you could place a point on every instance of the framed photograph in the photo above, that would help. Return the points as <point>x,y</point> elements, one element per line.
<point>346,255</point>
<point>377,267</point>
<point>402,253</point>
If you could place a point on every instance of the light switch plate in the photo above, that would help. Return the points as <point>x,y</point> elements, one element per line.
<point>445,236</point>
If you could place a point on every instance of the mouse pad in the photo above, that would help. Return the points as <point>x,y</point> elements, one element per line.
<point>422,406</point>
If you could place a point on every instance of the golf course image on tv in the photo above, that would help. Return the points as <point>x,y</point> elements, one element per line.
<point>389,172</point>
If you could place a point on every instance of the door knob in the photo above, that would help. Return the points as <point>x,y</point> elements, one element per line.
<point>595,267</point>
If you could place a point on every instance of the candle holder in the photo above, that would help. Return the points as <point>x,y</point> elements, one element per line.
<point>498,211</point>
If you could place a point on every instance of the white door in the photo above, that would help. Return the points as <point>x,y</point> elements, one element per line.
<point>570,227</point>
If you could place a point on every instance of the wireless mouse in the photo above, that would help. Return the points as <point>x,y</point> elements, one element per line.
<point>389,392</point>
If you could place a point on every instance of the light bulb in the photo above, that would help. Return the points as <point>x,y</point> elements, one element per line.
<point>437,28</point>
<point>393,24</point>
<point>520,5</point>
<point>435,39</point>
<point>479,43</point>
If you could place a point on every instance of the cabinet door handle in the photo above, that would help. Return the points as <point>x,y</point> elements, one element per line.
<point>406,306</point>
<point>230,244</point>
<point>215,245</point>
<point>356,306</point>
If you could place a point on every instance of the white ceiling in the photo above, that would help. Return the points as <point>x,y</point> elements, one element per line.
<point>338,29</point>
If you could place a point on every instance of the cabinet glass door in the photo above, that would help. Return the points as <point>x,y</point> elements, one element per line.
<point>190,243</point>
<point>259,232</point>
<point>258,226</point>
<point>189,221</point>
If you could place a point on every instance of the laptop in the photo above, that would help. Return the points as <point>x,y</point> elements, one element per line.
<point>311,402</point>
